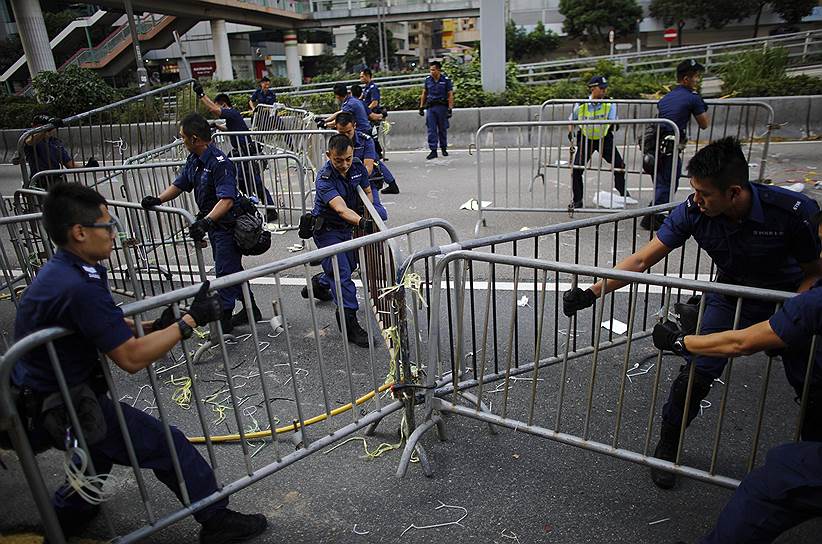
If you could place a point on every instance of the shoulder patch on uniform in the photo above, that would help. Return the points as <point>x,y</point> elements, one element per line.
<point>220,158</point>
<point>782,199</point>
<point>91,271</point>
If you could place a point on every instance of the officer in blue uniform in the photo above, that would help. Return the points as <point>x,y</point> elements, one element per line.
<point>364,149</point>
<point>352,105</point>
<point>757,236</point>
<point>45,151</point>
<point>263,95</point>
<point>787,489</point>
<point>678,105</point>
<point>371,100</point>
<point>249,175</point>
<point>335,200</point>
<point>72,291</point>
<point>438,98</point>
<point>212,177</point>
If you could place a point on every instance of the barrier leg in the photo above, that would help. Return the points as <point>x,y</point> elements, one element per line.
<point>412,445</point>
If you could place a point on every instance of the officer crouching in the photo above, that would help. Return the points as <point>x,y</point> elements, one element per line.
<point>334,216</point>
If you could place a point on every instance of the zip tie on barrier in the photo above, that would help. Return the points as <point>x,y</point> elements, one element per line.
<point>410,281</point>
<point>89,488</point>
<point>512,536</point>
<point>446,524</point>
<point>290,428</point>
<point>181,395</point>
<point>384,447</point>
<point>361,533</point>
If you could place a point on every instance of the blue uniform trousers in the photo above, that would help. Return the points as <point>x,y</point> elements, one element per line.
<point>150,447</point>
<point>347,263</point>
<point>227,260</point>
<point>436,119</point>
<point>784,492</point>
<point>662,179</point>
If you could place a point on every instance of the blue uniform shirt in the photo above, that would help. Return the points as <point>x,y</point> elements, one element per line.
<point>796,322</point>
<point>68,292</point>
<point>364,149</point>
<point>234,122</point>
<point>763,250</point>
<point>211,177</point>
<point>678,106</point>
<point>370,93</point>
<point>355,107</point>
<point>331,184</point>
<point>267,97</point>
<point>48,154</point>
<point>437,91</point>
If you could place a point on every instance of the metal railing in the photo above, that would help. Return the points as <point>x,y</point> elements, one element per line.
<point>519,157</point>
<point>590,395</point>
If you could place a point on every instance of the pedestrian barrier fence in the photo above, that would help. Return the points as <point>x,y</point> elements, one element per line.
<point>531,166</point>
<point>604,395</point>
<point>749,121</point>
<point>112,133</point>
<point>259,390</point>
<point>22,254</point>
<point>292,130</point>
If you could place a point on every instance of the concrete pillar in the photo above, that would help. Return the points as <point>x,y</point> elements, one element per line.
<point>292,58</point>
<point>33,34</point>
<point>492,45</point>
<point>222,52</point>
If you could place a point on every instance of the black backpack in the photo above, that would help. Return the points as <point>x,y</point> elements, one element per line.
<point>249,234</point>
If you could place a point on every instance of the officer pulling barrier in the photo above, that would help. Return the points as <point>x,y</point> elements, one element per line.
<point>514,155</point>
<point>109,134</point>
<point>259,391</point>
<point>600,396</point>
<point>749,121</point>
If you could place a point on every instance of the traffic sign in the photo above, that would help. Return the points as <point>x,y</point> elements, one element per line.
<point>623,46</point>
<point>670,34</point>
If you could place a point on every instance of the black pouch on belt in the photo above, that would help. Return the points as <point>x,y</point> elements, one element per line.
<point>55,416</point>
<point>306,230</point>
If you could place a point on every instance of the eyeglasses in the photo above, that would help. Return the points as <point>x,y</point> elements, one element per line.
<point>109,226</point>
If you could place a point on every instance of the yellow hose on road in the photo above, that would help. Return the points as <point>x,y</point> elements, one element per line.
<point>290,428</point>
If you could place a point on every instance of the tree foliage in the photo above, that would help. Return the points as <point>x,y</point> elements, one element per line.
<point>365,47</point>
<point>74,90</point>
<point>594,18</point>
<point>520,45</point>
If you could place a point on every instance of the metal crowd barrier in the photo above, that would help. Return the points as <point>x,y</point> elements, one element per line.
<point>749,121</point>
<point>260,391</point>
<point>603,396</point>
<point>27,249</point>
<point>112,133</point>
<point>530,166</point>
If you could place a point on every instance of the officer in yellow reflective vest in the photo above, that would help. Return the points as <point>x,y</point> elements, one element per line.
<point>592,138</point>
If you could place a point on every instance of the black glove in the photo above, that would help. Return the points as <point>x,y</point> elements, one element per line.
<point>56,121</point>
<point>150,201</point>
<point>665,334</point>
<point>576,299</point>
<point>92,163</point>
<point>422,112</point>
<point>165,320</point>
<point>366,225</point>
<point>197,87</point>
<point>320,122</point>
<point>571,137</point>
<point>200,227</point>
<point>450,113</point>
<point>205,308</point>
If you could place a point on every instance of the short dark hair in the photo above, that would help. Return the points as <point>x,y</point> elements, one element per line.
<point>367,71</point>
<point>339,143</point>
<point>195,124</point>
<point>344,118</point>
<point>340,89</point>
<point>264,78</point>
<point>436,63</point>
<point>721,162</point>
<point>223,98</point>
<point>69,204</point>
<point>688,67</point>
<point>356,91</point>
<point>40,119</point>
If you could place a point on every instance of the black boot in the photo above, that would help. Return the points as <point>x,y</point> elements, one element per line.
<point>271,215</point>
<point>241,318</point>
<point>444,152</point>
<point>432,155</point>
<point>391,189</point>
<point>229,526</point>
<point>226,321</point>
<point>356,334</point>
<point>321,292</point>
<point>666,450</point>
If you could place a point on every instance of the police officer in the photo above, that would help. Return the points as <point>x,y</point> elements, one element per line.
<point>364,149</point>
<point>352,105</point>
<point>72,291</point>
<point>263,95</point>
<point>678,105</point>
<point>335,200</point>
<point>757,235</point>
<point>249,176</point>
<point>371,99</point>
<point>45,151</point>
<point>438,98</point>
<point>787,489</point>
<point>594,138</point>
<point>212,177</point>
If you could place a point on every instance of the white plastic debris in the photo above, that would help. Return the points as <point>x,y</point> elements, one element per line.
<point>615,325</point>
<point>611,200</point>
<point>523,301</point>
<point>473,204</point>
<point>795,187</point>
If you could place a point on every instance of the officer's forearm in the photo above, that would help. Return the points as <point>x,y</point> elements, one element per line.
<point>210,105</point>
<point>451,100</point>
<point>370,193</point>
<point>373,104</point>
<point>746,341</point>
<point>422,99</point>
<point>138,353</point>
<point>171,192</point>
<point>221,208</point>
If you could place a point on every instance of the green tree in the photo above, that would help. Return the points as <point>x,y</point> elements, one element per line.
<point>365,47</point>
<point>584,18</point>
<point>520,44</point>
<point>705,13</point>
